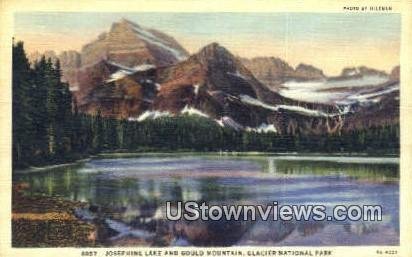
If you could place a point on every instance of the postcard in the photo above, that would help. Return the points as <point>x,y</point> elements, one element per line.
<point>206,128</point>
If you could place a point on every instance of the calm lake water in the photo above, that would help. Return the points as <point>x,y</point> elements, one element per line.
<point>130,191</point>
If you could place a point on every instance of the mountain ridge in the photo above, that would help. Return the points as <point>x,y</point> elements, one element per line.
<point>131,71</point>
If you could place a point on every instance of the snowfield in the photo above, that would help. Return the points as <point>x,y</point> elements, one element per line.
<point>372,96</point>
<point>293,108</point>
<point>328,91</point>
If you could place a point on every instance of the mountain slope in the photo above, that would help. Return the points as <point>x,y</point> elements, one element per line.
<point>123,97</point>
<point>214,83</point>
<point>211,80</point>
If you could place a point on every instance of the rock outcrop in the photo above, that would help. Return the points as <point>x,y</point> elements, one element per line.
<point>273,72</point>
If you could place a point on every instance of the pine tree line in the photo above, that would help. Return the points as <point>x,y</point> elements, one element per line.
<point>42,111</point>
<point>47,127</point>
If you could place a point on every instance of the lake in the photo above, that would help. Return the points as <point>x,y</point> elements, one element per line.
<point>129,192</point>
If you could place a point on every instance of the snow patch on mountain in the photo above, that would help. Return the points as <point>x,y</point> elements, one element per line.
<point>352,73</point>
<point>196,89</point>
<point>220,122</point>
<point>74,88</point>
<point>143,67</point>
<point>193,111</point>
<point>313,96</point>
<point>328,91</point>
<point>152,39</point>
<point>126,71</point>
<point>151,115</point>
<point>118,75</point>
<point>253,101</point>
<point>120,66</point>
<point>263,128</point>
<point>350,82</point>
<point>304,111</point>
<point>293,108</point>
<point>367,96</point>
<point>228,122</point>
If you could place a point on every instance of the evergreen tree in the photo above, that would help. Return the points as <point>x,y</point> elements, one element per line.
<point>97,131</point>
<point>21,120</point>
<point>38,110</point>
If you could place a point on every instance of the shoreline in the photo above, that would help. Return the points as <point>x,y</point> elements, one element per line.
<point>249,153</point>
<point>45,221</point>
<point>51,166</point>
<point>126,154</point>
<point>53,221</point>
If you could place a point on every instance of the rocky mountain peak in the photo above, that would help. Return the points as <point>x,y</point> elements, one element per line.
<point>309,71</point>
<point>271,71</point>
<point>395,73</point>
<point>127,22</point>
<point>274,61</point>
<point>130,44</point>
<point>213,47</point>
<point>362,71</point>
<point>124,25</point>
<point>215,53</point>
<point>218,60</point>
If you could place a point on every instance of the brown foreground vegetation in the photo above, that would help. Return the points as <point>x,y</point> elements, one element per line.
<point>43,221</point>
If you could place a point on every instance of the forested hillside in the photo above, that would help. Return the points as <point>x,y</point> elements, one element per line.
<point>48,128</point>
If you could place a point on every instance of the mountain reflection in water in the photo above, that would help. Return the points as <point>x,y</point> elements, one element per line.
<point>130,195</point>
